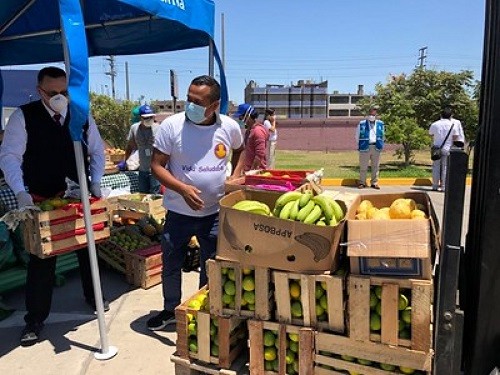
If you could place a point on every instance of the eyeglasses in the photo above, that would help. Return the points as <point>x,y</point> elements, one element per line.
<point>50,94</point>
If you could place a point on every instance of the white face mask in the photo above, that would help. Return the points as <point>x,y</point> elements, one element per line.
<point>371,118</point>
<point>58,103</point>
<point>148,121</point>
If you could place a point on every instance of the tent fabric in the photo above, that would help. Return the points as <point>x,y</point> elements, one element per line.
<point>30,30</point>
<point>113,27</point>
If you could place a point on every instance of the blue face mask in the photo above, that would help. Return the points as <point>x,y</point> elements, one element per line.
<point>195,113</point>
<point>241,123</point>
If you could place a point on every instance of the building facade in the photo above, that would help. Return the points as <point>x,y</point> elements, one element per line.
<point>305,99</point>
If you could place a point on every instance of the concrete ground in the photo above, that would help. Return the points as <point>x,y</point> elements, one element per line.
<point>71,334</point>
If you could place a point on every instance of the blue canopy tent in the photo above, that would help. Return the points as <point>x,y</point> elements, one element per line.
<point>43,31</point>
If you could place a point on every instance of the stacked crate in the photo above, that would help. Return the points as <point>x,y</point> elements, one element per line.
<point>316,317</point>
<point>281,253</point>
<point>390,294</point>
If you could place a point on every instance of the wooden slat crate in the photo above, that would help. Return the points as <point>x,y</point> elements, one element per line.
<point>134,202</point>
<point>359,289</point>
<point>231,334</point>
<point>41,233</point>
<point>195,367</point>
<point>143,267</point>
<point>262,294</point>
<point>115,256</point>
<point>338,354</point>
<point>304,351</point>
<point>331,303</point>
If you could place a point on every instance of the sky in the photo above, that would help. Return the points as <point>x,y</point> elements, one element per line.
<point>346,42</point>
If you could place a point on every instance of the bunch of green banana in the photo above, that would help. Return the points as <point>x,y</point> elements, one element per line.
<point>309,209</point>
<point>253,206</point>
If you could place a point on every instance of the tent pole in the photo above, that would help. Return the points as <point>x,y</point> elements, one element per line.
<point>107,351</point>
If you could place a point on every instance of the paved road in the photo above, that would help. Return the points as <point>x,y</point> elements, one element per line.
<point>71,333</point>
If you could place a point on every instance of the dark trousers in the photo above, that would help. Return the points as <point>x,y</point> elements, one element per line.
<point>177,232</point>
<point>40,283</point>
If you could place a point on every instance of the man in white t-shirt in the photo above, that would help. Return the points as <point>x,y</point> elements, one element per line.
<point>440,130</point>
<point>190,156</point>
<point>270,125</point>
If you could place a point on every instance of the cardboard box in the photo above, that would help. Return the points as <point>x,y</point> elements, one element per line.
<point>267,241</point>
<point>400,247</point>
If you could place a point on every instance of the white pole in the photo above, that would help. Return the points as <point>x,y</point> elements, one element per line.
<point>107,352</point>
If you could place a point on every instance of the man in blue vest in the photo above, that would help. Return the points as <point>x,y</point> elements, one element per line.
<point>370,136</point>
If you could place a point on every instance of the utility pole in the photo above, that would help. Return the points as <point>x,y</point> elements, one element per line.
<point>127,85</point>
<point>112,73</point>
<point>174,90</point>
<point>223,43</point>
<point>422,57</point>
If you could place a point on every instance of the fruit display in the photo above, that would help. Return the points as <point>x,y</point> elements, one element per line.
<point>393,369</point>
<point>401,208</point>
<point>253,206</point>
<point>404,311</point>
<point>129,240</point>
<point>308,208</point>
<point>114,151</point>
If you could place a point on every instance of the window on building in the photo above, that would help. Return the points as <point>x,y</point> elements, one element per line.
<point>338,112</point>
<point>339,99</point>
<point>356,98</point>
<point>356,112</point>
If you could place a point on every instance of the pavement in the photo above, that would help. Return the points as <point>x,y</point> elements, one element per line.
<point>71,335</point>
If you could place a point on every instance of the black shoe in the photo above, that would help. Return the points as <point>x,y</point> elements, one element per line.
<point>91,303</point>
<point>161,320</point>
<point>31,333</point>
<point>375,186</point>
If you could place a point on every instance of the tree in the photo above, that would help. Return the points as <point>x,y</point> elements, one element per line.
<point>112,118</point>
<point>409,104</point>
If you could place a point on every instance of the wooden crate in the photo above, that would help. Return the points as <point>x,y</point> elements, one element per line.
<point>263,290</point>
<point>330,348</point>
<point>143,267</point>
<point>194,367</point>
<point>126,217</point>
<point>116,256</point>
<point>231,334</point>
<point>305,353</point>
<point>60,231</point>
<point>134,202</point>
<point>359,311</point>
<point>308,283</point>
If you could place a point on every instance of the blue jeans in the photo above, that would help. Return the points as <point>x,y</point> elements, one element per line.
<point>177,232</point>
<point>148,184</point>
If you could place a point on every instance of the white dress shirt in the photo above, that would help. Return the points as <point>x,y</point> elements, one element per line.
<point>14,146</point>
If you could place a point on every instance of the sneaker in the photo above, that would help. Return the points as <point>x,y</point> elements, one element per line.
<point>361,186</point>
<point>375,186</point>
<point>161,320</point>
<point>91,303</point>
<point>31,333</point>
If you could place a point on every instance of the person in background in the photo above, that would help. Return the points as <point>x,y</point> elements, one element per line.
<point>441,130</point>
<point>270,125</point>
<point>370,135</point>
<point>141,138</point>
<point>190,155</point>
<point>460,142</point>
<point>36,157</point>
<point>256,139</point>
